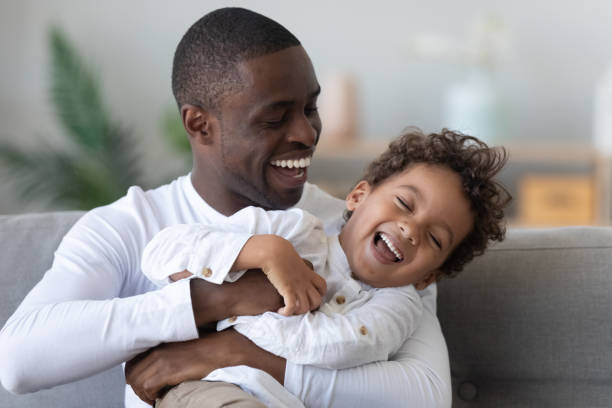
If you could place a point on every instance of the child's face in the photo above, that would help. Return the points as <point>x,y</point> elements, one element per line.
<point>403,230</point>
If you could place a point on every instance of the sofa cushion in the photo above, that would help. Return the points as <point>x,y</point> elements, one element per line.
<point>27,243</point>
<point>528,324</point>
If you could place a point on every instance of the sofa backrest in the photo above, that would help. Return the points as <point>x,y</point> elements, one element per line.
<point>27,244</point>
<point>529,323</point>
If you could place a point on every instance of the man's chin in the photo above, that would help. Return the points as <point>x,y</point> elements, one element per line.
<point>289,198</point>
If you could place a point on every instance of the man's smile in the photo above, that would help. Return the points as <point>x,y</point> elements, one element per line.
<point>302,163</point>
<point>293,169</point>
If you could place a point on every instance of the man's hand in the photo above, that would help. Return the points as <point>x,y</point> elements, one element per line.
<point>150,374</point>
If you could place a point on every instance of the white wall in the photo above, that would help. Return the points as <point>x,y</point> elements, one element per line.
<point>560,49</point>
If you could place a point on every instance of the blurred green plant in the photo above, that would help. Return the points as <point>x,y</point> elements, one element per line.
<point>99,161</point>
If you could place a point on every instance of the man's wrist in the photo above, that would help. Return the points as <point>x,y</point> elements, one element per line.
<point>250,295</point>
<point>248,353</point>
<point>210,302</point>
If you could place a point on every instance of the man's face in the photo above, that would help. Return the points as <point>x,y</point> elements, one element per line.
<point>403,230</point>
<point>269,130</point>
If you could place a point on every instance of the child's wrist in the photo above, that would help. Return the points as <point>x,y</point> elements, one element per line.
<point>267,249</point>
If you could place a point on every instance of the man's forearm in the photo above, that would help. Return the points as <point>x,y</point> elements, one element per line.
<point>252,294</point>
<point>210,302</point>
<point>247,353</point>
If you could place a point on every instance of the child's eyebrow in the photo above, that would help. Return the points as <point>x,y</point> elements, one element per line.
<point>413,189</point>
<point>443,223</point>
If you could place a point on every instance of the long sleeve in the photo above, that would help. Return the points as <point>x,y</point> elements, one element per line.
<point>418,375</point>
<point>90,311</point>
<point>354,328</point>
<point>209,251</point>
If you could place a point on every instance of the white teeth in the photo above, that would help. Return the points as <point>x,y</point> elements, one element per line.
<point>393,249</point>
<point>298,164</point>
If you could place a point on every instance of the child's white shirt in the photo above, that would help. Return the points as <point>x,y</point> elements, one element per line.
<point>355,324</point>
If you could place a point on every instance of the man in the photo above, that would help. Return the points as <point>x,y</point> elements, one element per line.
<point>247,94</point>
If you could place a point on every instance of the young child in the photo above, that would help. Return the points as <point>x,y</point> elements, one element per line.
<point>425,207</point>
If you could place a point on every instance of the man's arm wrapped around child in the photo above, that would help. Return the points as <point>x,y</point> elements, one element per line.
<point>357,325</point>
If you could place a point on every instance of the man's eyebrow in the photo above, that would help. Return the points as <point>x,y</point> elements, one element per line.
<point>419,196</point>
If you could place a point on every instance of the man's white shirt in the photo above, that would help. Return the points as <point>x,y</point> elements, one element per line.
<point>95,309</point>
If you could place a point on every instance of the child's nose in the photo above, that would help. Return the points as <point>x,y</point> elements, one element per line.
<point>410,232</point>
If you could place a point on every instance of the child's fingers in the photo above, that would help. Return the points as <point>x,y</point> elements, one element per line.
<point>314,297</point>
<point>291,305</point>
<point>303,303</point>
<point>320,284</point>
<point>308,264</point>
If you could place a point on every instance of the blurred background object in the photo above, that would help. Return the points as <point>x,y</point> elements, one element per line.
<point>338,107</point>
<point>98,161</point>
<point>536,64</point>
<point>474,104</point>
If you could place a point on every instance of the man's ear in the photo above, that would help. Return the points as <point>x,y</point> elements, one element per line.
<point>357,195</point>
<point>199,124</point>
<point>430,278</point>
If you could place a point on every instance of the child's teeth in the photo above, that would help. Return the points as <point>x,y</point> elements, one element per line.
<point>397,253</point>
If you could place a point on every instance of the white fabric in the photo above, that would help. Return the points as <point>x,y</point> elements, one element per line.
<point>94,309</point>
<point>368,325</point>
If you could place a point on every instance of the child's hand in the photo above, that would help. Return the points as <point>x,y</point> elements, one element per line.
<point>301,288</point>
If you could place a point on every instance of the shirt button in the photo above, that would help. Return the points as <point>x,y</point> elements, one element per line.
<point>232,319</point>
<point>206,272</point>
<point>340,299</point>
<point>363,330</point>
<point>468,391</point>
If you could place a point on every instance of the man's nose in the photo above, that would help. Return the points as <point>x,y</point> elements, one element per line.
<point>410,232</point>
<point>303,132</point>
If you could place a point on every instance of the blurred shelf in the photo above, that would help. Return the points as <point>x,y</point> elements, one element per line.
<point>369,149</point>
<point>552,185</point>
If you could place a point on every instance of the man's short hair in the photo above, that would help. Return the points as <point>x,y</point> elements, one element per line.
<point>204,68</point>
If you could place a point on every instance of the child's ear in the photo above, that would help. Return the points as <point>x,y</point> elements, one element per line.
<point>427,280</point>
<point>199,124</point>
<point>357,195</point>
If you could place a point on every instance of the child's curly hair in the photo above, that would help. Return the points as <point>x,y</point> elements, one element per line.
<point>474,161</point>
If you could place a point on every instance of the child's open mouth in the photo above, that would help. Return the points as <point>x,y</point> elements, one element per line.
<point>385,247</point>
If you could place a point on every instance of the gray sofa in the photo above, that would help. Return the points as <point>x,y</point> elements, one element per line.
<point>527,325</point>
